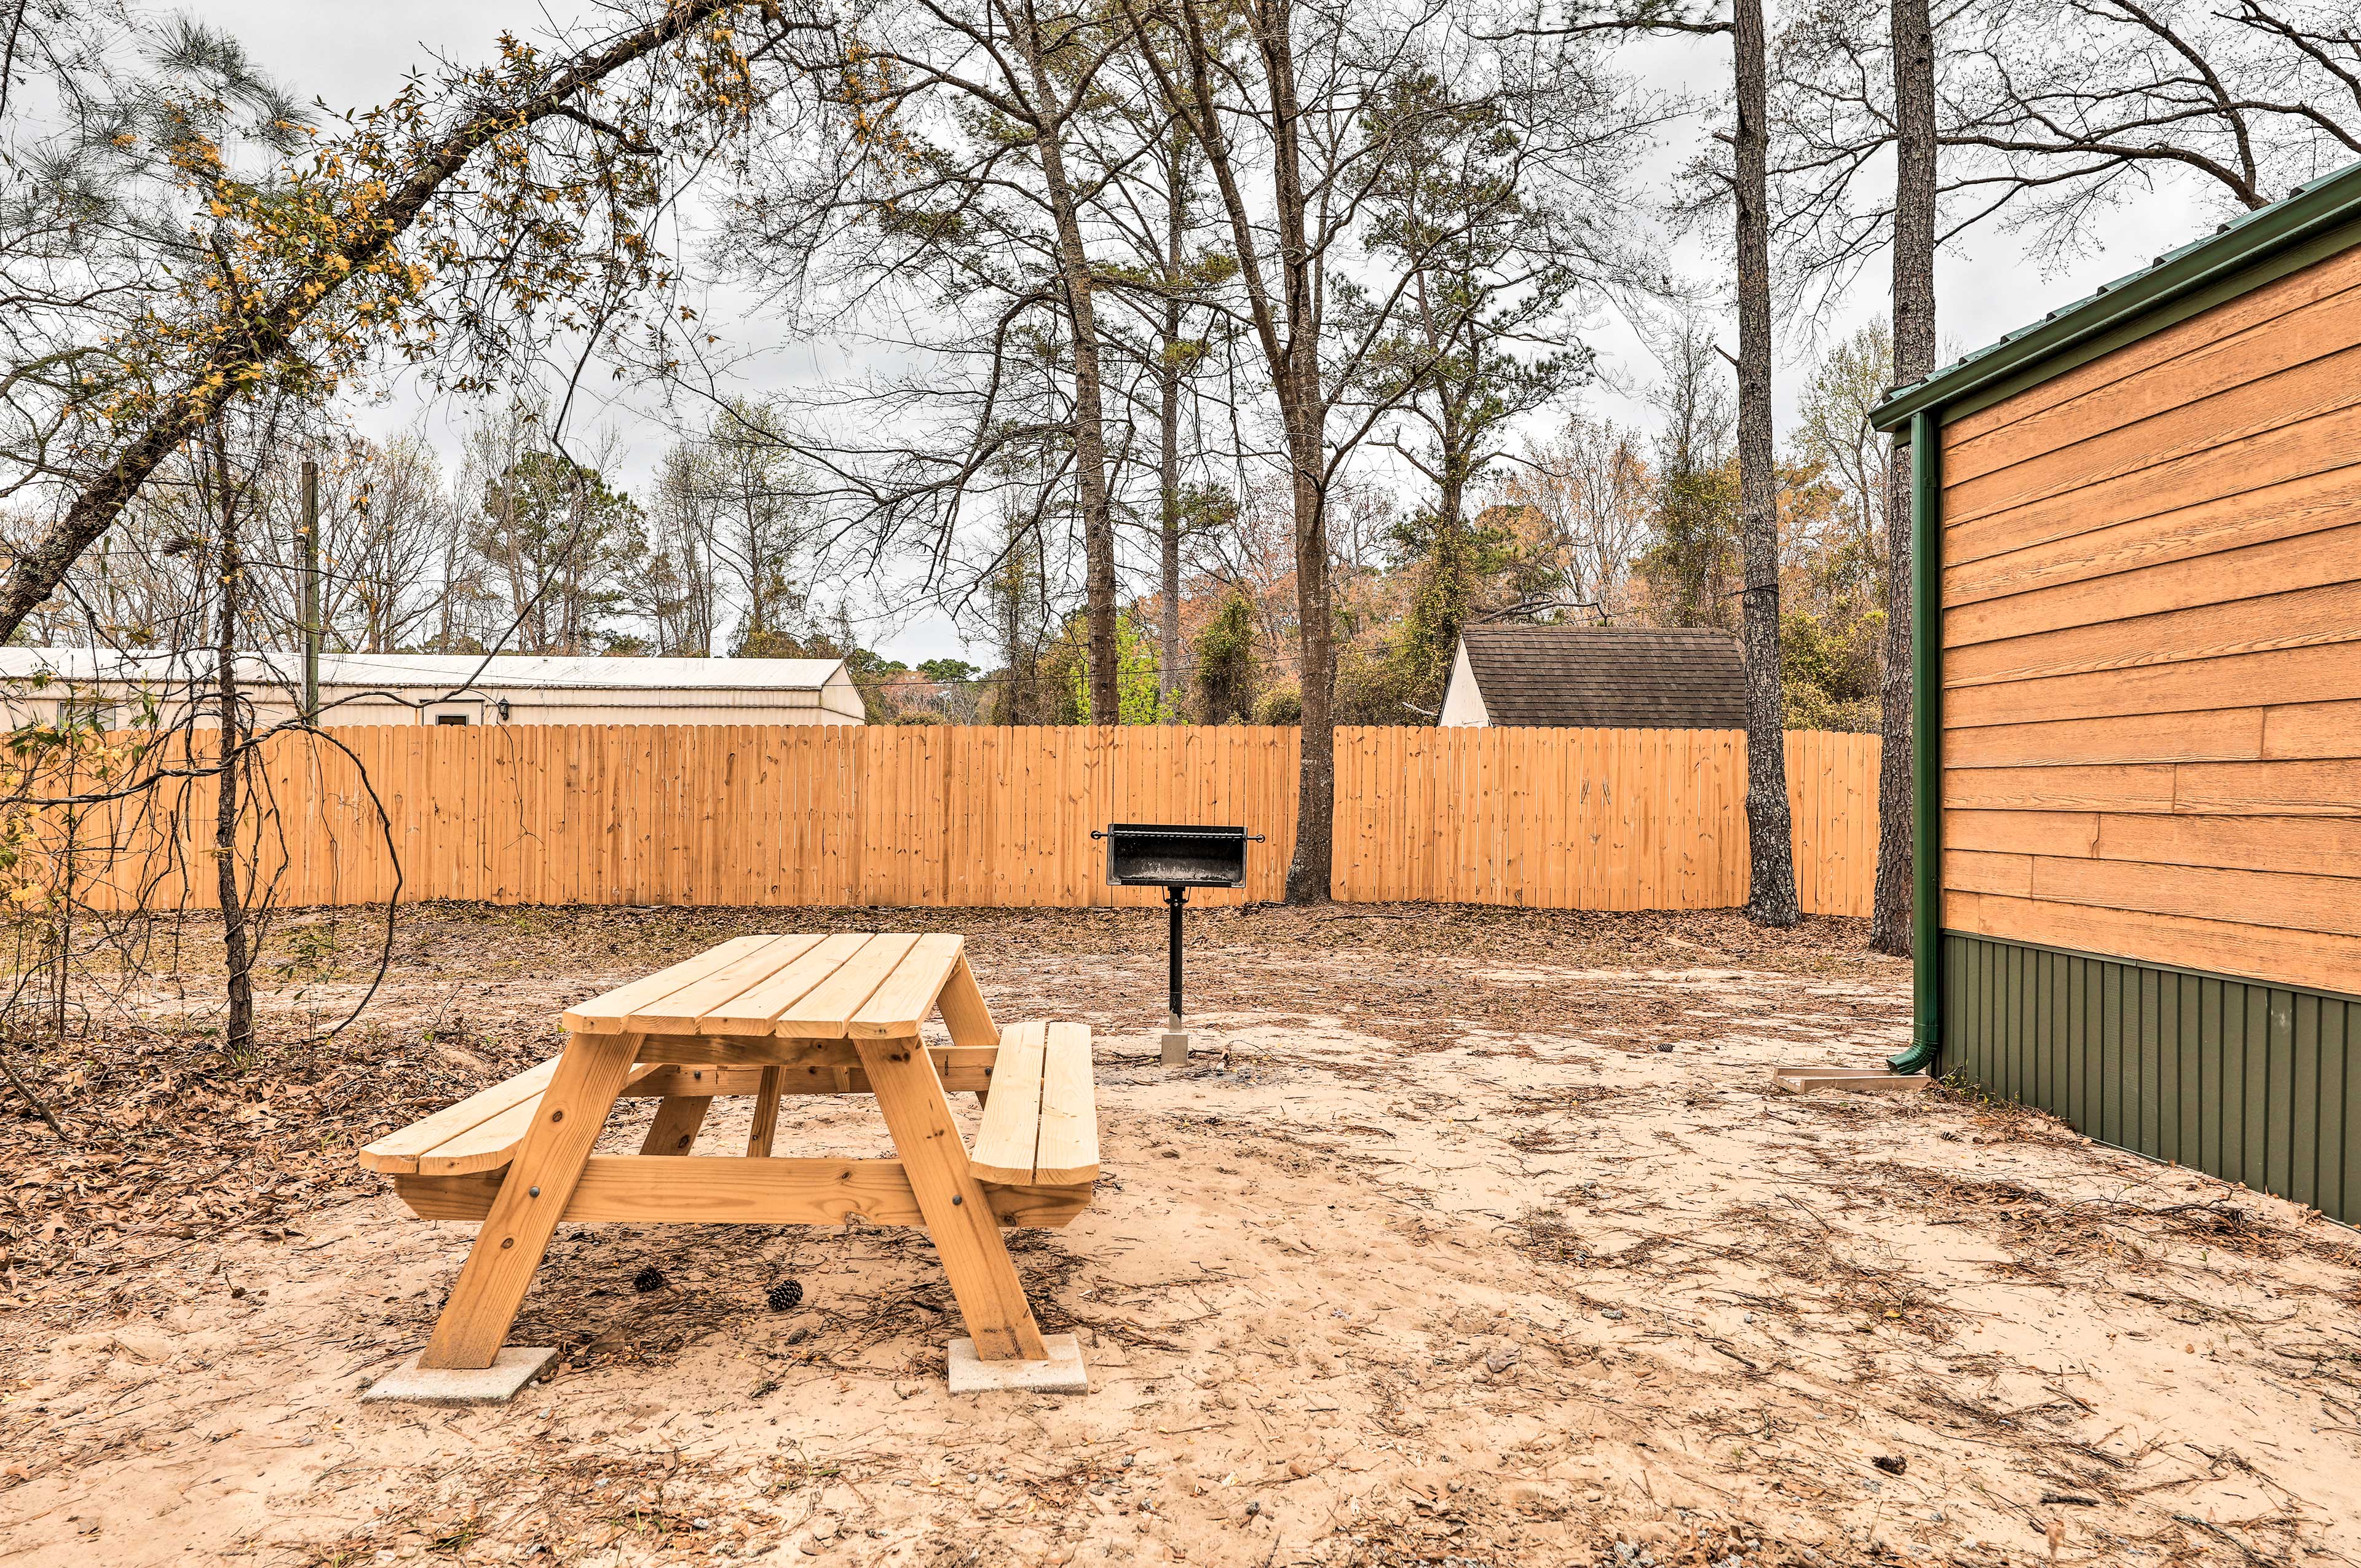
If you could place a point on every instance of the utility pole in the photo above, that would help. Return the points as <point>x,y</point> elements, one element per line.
<point>309,539</point>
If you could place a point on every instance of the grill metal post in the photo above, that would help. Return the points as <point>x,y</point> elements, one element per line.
<point>1176,1039</point>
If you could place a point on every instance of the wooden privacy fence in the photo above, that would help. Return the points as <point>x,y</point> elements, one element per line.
<point>733,815</point>
<point>1593,818</point>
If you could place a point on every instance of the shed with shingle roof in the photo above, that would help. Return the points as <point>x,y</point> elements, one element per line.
<point>1596,677</point>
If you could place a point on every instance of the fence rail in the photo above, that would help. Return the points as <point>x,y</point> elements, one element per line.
<point>984,817</point>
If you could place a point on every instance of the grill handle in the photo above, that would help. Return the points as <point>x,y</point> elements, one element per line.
<point>1187,833</point>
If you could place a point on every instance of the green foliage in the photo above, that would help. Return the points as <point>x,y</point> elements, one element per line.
<point>1830,669</point>
<point>1368,688</point>
<point>1137,701</point>
<point>1280,704</point>
<point>1064,679</point>
<point>1694,570</point>
<point>1229,663</point>
<point>948,670</point>
<point>560,523</point>
<point>1458,565</point>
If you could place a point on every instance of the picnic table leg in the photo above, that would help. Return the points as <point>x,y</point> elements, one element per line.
<point>678,1116</point>
<point>966,1016</point>
<point>966,1232</point>
<point>766,1116</point>
<point>524,1214</point>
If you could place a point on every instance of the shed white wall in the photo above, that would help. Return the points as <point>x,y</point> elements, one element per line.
<point>837,702</point>
<point>1463,704</point>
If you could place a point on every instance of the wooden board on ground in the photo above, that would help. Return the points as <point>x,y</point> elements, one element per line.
<point>1809,1080</point>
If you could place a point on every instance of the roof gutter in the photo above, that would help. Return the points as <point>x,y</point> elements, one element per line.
<point>2327,203</point>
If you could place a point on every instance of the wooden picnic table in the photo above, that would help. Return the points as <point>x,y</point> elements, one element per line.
<point>767,1015</point>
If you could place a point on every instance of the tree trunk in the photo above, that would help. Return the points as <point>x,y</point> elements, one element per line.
<point>1914,357</point>
<point>1315,813</point>
<point>1304,410</point>
<point>1289,333</point>
<point>1770,838</point>
<point>1090,427</point>
<point>238,1032</point>
<point>1454,551</point>
<point>1168,456</point>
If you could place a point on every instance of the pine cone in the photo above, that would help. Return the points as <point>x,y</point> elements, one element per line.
<point>649,1278</point>
<point>785,1295</point>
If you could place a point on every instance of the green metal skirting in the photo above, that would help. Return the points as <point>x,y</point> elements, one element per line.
<point>2254,1082</point>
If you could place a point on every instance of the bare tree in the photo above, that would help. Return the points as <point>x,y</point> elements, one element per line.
<point>1832,434</point>
<point>1154,203</point>
<point>226,492</point>
<point>1591,485</point>
<point>757,543</point>
<point>678,592</point>
<point>2061,111</point>
<point>1285,98</point>
<point>2049,115</point>
<point>372,239</point>
<point>949,188</point>
<point>387,523</point>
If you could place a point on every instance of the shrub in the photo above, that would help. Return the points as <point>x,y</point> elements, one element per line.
<point>1280,704</point>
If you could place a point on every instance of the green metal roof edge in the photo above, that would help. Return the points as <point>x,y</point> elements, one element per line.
<point>2211,265</point>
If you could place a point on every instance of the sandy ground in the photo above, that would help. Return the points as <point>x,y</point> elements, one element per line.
<point>1480,1238</point>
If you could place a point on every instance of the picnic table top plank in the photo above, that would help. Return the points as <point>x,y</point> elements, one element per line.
<point>753,1010</point>
<point>826,1012</point>
<point>678,1013</point>
<point>896,1009</point>
<point>607,1013</point>
<point>873,986</point>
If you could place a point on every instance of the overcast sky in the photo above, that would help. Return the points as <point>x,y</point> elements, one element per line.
<point>354,55</point>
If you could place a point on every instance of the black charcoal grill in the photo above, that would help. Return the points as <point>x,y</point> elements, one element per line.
<point>1175,857</point>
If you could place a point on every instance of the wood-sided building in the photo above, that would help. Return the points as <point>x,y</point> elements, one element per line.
<point>2139,706</point>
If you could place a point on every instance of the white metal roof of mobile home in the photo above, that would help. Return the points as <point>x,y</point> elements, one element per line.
<point>437,672</point>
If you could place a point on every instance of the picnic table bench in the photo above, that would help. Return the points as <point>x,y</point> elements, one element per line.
<point>763,1016</point>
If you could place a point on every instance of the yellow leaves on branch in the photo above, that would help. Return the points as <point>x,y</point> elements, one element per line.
<point>48,844</point>
<point>295,279</point>
<point>868,98</point>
